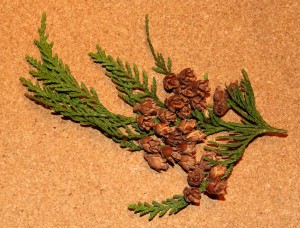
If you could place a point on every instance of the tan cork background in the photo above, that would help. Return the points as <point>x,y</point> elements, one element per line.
<point>55,173</point>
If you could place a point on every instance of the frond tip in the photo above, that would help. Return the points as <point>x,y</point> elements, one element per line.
<point>127,79</point>
<point>160,62</point>
<point>58,90</point>
<point>173,205</point>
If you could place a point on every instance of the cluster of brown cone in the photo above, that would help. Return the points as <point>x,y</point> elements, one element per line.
<point>171,144</point>
<point>176,142</point>
<point>203,172</point>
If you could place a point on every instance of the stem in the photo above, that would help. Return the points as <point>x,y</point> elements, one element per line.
<point>148,38</point>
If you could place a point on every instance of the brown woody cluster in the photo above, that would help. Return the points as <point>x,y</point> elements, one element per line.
<point>189,93</point>
<point>203,171</point>
<point>171,144</point>
<point>175,143</point>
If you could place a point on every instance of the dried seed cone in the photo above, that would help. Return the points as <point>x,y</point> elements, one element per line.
<point>170,82</point>
<point>176,156</point>
<point>167,152</point>
<point>147,107</point>
<point>173,138</point>
<point>186,92</point>
<point>156,162</point>
<point>150,145</point>
<point>198,103</point>
<point>196,136</point>
<point>195,177</point>
<point>217,171</point>
<point>162,129</point>
<point>186,77</point>
<point>192,195</point>
<point>201,87</point>
<point>184,112</point>
<point>175,102</point>
<point>145,122</point>
<point>166,116</point>
<point>220,108</point>
<point>187,126</point>
<point>216,187</point>
<point>187,162</point>
<point>186,147</point>
<point>220,102</point>
<point>203,164</point>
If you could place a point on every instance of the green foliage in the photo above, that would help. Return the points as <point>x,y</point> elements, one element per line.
<point>174,205</point>
<point>58,90</point>
<point>128,82</point>
<point>160,62</point>
<point>241,100</point>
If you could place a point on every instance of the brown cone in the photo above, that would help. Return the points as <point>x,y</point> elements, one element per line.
<point>150,144</point>
<point>184,112</point>
<point>187,126</point>
<point>186,77</point>
<point>147,107</point>
<point>195,177</point>
<point>170,82</point>
<point>175,102</point>
<point>220,102</point>
<point>156,162</point>
<point>217,171</point>
<point>216,187</point>
<point>166,116</point>
<point>145,122</point>
<point>201,87</point>
<point>192,195</point>
<point>187,162</point>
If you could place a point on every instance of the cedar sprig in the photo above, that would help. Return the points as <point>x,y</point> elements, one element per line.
<point>241,100</point>
<point>132,89</point>
<point>160,62</point>
<point>173,205</point>
<point>58,90</point>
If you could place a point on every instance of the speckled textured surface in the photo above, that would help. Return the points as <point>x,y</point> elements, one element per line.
<point>56,173</point>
